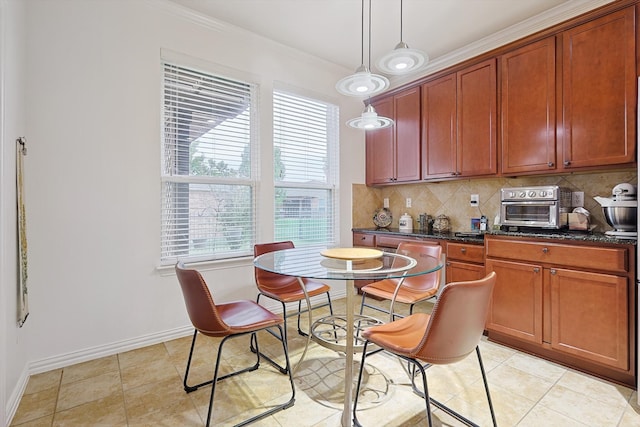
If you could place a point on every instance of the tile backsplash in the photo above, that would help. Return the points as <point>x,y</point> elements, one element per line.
<point>451,198</point>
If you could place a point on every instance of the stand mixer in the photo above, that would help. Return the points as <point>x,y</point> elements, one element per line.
<point>621,211</point>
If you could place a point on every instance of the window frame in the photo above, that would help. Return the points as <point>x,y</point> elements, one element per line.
<point>331,185</point>
<point>171,251</point>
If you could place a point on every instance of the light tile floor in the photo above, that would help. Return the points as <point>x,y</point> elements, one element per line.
<point>144,387</point>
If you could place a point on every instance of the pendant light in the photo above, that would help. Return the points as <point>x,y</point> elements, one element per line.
<point>363,82</point>
<point>402,59</point>
<point>370,120</point>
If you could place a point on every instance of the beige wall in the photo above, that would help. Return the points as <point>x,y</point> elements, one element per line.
<point>451,198</point>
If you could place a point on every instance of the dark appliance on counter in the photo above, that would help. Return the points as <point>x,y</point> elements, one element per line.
<point>540,207</point>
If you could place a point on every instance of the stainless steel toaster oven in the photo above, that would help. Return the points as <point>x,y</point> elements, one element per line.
<point>535,207</point>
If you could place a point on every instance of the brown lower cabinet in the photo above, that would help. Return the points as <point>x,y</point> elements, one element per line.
<point>574,304</point>
<point>465,262</point>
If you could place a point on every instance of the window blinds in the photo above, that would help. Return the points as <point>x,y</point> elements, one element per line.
<point>305,135</point>
<point>208,177</point>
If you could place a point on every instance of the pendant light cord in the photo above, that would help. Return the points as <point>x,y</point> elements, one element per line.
<point>401,20</point>
<point>369,35</point>
<point>362,36</point>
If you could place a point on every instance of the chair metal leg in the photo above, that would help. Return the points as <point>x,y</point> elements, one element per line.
<point>355,399</point>
<point>215,379</point>
<point>285,316</point>
<point>486,386</point>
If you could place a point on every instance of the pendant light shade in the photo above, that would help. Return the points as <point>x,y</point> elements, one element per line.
<point>402,59</point>
<point>370,120</point>
<point>363,82</point>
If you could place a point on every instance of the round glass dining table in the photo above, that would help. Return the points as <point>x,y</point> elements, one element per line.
<point>348,265</point>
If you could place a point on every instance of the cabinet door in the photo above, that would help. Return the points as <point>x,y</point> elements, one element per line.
<point>476,108</point>
<point>439,128</point>
<point>407,137</point>
<point>380,148</point>
<point>516,304</point>
<point>599,91</point>
<point>590,316</point>
<point>529,108</point>
<point>462,271</point>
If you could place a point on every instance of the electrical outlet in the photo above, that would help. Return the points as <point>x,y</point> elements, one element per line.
<point>408,202</point>
<point>385,202</point>
<point>577,199</point>
<point>475,200</point>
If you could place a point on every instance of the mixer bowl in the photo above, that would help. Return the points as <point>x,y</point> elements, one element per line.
<point>621,218</point>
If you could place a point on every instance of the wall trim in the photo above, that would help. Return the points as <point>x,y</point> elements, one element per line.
<point>529,26</point>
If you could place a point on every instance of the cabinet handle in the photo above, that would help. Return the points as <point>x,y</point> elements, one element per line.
<point>363,238</point>
<point>463,250</point>
<point>545,250</point>
<point>553,271</point>
<point>536,270</point>
<point>550,164</point>
<point>448,264</point>
<point>454,173</point>
<point>567,162</point>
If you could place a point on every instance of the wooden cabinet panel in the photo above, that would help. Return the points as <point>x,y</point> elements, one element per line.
<point>599,91</point>
<point>380,148</point>
<point>393,153</point>
<point>407,136</point>
<point>439,128</point>
<point>516,304</point>
<point>588,257</point>
<point>591,316</point>
<point>393,241</point>
<point>458,271</point>
<point>364,239</point>
<point>465,252</point>
<point>476,111</point>
<point>528,111</point>
<point>586,318</point>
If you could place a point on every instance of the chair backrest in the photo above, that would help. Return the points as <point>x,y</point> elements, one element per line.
<point>265,280</point>
<point>457,321</point>
<point>422,253</point>
<point>201,308</point>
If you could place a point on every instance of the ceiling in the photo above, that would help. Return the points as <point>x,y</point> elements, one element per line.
<point>332,29</point>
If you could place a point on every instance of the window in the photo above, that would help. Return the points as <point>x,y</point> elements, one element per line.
<point>305,135</point>
<point>208,177</point>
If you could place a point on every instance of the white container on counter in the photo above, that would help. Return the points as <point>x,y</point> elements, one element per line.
<point>406,223</point>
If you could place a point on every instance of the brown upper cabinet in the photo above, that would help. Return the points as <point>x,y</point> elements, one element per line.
<point>599,92</point>
<point>528,113</point>
<point>568,101</point>
<point>393,153</point>
<point>459,123</point>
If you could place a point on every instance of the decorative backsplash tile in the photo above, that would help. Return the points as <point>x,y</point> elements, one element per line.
<point>451,198</point>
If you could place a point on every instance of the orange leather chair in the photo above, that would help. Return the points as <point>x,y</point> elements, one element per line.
<point>449,334</point>
<point>286,289</point>
<point>410,290</point>
<point>227,320</point>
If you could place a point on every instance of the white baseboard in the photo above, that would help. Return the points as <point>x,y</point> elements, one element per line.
<point>64,360</point>
<point>16,395</point>
<point>61,361</point>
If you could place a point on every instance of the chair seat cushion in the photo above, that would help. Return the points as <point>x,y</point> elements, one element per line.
<point>292,292</point>
<point>385,289</point>
<point>402,336</point>
<point>244,316</point>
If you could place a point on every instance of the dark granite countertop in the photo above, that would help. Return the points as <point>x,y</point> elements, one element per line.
<point>477,238</point>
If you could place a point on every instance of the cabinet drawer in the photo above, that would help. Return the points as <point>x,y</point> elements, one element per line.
<point>465,252</point>
<point>589,257</point>
<point>362,239</point>
<point>394,241</point>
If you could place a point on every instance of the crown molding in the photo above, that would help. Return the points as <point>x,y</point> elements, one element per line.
<point>515,32</point>
<point>236,32</point>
